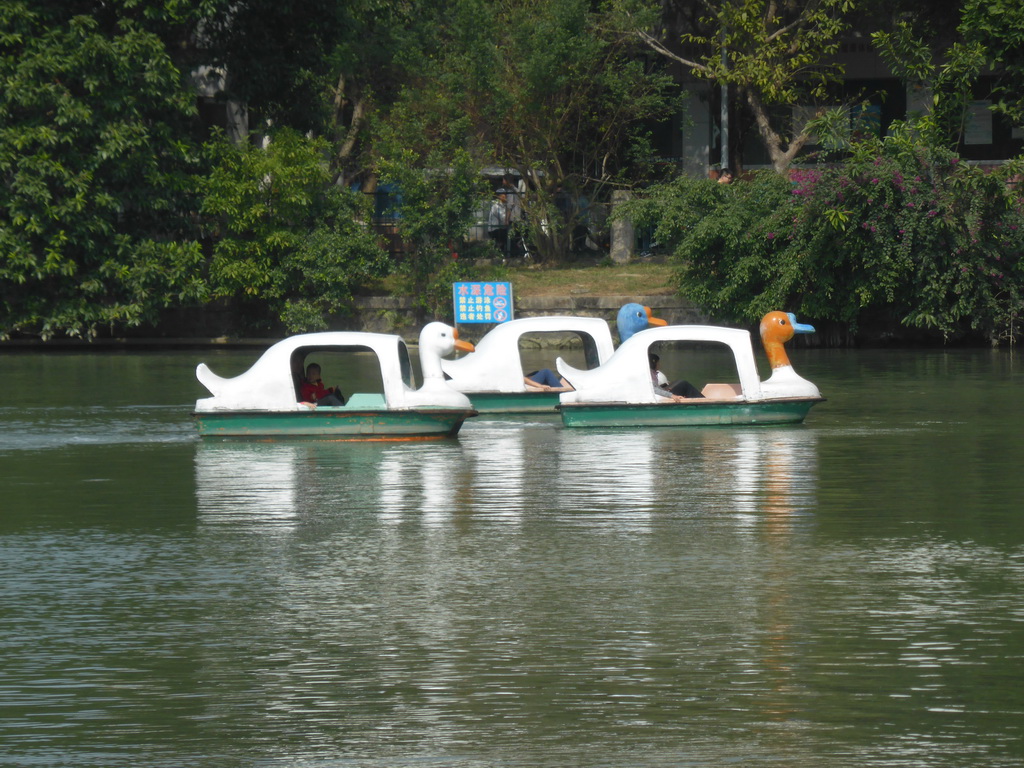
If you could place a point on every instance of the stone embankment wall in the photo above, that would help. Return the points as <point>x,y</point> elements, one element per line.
<point>379,314</point>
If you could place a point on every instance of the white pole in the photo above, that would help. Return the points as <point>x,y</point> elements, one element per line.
<point>724,158</point>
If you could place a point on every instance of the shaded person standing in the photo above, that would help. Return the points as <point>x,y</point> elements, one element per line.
<point>497,222</point>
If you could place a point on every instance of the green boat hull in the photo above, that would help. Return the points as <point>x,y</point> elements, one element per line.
<point>514,402</point>
<point>335,423</point>
<point>693,413</point>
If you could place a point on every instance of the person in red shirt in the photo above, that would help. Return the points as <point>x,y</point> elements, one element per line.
<point>312,389</point>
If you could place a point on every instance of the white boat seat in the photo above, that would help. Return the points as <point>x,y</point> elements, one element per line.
<point>721,391</point>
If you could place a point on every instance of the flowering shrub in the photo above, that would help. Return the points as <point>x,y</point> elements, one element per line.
<point>897,232</point>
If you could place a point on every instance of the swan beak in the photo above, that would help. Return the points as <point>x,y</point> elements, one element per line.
<point>652,320</point>
<point>799,327</point>
<point>464,346</point>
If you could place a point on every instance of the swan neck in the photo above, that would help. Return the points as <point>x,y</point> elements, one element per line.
<point>430,365</point>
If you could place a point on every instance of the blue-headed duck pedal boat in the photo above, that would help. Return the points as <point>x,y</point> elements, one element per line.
<point>621,393</point>
<point>265,401</point>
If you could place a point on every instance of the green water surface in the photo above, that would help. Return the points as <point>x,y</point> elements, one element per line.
<point>847,592</point>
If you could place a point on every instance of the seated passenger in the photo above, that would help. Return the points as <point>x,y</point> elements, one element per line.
<point>546,380</point>
<point>680,390</point>
<point>312,389</point>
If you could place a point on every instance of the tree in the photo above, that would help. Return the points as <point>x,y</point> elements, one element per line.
<point>773,54</point>
<point>284,235</point>
<point>542,87</point>
<point>98,174</point>
<point>322,66</point>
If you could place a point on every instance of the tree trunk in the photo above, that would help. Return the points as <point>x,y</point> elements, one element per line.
<point>781,159</point>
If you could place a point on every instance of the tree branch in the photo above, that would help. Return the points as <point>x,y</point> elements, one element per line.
<point>656,45</point>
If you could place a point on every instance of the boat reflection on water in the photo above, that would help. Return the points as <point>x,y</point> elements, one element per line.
<point>500,482</point>
<point>690,542</point>
<point>758,478</point>
<point>248,483</point>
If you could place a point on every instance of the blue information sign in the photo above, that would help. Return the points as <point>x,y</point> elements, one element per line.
<point>482,302</point>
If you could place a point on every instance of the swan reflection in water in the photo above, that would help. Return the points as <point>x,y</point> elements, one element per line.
<point>610,477</point>
<point>418,481</point>
<point>287,483</point>
<point>775,471</point>
<point>629,475</point>
<point>651,521</point>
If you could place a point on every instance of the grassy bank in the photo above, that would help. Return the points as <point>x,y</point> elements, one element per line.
<point>577,279</point>
<point>638,279</point>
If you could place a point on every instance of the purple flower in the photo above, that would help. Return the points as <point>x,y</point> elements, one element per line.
<point>771,235</point>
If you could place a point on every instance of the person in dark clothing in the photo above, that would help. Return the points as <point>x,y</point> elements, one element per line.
<point>678,389</point>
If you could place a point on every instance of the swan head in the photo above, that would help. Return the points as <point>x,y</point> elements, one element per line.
<point>439,340</point>
<point>633,318</point>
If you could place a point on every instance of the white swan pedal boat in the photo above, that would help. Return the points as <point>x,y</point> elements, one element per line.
<point>621,393</point>
<point>493,375</point>
<point>264,402</point>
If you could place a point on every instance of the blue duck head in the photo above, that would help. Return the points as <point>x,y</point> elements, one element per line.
<point>634,318</point>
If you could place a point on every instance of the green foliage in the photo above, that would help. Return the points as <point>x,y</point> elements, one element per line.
<point>283,234</point>
<point>439,198</point>
<point>998,26</point>
<point>96,199</point>
<point>319,66</point>
<point>951,82</point>
<point>899,232</point>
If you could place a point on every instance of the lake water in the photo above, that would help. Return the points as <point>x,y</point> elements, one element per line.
<point>848,592</point>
